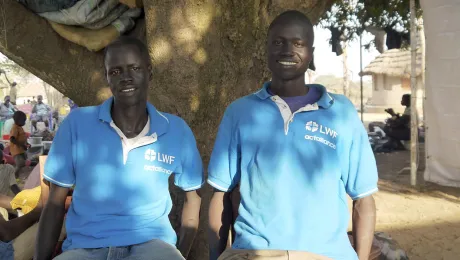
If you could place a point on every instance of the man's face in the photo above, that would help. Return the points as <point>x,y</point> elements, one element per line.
<point>289,50</point>
<point>7,100</point>
<point>40,99</point>
<point>128,74</point>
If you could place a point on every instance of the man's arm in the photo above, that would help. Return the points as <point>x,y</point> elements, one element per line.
<point>220,221</point>
<point>10,230</point>
<point>364,218</point>
<point>51,223</point>
<point>3,110</point>
<point>190,221</point>
<point>34,109</point>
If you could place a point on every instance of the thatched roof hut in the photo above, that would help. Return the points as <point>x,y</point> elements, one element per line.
<point>394,63</point>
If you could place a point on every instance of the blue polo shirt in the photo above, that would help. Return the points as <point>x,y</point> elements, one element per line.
<point>295,171</point>
<point>121,196</point>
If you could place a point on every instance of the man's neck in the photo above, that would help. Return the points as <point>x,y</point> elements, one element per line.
<point>289,88</point>
<point>130,120</point>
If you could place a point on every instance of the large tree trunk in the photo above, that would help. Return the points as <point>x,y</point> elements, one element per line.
<point>206,53</point>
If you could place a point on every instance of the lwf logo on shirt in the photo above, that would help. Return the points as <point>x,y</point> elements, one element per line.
<point>150,155</point>
<point>314,127</point>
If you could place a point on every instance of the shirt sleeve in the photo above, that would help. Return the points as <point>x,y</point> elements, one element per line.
<point>59,167</point>
<point>190,174</point>
<point>223,170</point>
<point>362,177</point>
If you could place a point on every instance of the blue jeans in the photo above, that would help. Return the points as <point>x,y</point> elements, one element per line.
<point>152,250</point>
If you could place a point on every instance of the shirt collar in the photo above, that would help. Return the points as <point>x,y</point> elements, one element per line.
<point>325,100</point>
<point>159,123</point>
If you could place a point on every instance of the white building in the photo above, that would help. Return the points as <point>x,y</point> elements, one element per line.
<point>390,73</point>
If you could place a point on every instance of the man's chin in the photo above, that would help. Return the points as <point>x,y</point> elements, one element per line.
<point>129,101</point>
<point>289,76</point>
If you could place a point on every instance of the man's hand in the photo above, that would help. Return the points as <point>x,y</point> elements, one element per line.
<point>364,218</point>
<point>190,221</point>
<point>390,111</point>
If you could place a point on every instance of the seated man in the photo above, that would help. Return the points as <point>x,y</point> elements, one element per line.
<point>119,157</point>
<point>297,152</point>
<point>41,112</point>
<point>7,109</point>
<point>8,184</point>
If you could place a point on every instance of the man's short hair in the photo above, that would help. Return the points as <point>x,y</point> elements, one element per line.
<point>295,16</point>
<point>129,40</point>
<point>18,115</point>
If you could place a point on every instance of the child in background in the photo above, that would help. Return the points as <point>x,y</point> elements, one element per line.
<point>18,141</point>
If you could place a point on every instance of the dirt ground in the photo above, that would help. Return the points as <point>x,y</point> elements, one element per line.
<point>424,220</point>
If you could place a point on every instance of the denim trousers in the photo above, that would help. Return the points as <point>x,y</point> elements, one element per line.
<point>151,250</point>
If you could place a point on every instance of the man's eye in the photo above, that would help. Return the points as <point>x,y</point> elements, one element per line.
<point>114,72</point>
<point>277,42</point>
<point>298,44</point>
<point>136,68</point>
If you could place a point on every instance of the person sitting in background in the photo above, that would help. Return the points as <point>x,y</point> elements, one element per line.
<point>41,112</point>
<point>397,127</point>
<point>8,184</point>
<point>7,109</point>
<point>18,141</point>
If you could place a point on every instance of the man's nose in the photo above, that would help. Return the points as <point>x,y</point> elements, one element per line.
<point>288,49</point>
<point>126,76</point>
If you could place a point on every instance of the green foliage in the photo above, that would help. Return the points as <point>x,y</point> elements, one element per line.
<point>352,16</point>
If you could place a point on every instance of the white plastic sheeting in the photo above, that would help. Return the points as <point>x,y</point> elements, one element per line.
<point>442,104</point>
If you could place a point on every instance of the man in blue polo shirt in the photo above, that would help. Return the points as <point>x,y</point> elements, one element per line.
<point>118,157</point>
<point>296,152</point>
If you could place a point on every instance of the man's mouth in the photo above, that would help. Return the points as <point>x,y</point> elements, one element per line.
<point>287,63</point>
<point>128,90</point>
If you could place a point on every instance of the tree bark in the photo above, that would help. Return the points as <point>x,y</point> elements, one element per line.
<point>205,54</point>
